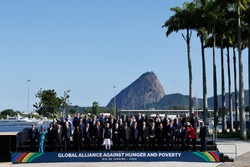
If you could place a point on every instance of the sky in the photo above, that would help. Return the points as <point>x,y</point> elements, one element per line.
<point>95,49</point>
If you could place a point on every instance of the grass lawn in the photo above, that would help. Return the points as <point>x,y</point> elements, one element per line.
<point>231,135</point>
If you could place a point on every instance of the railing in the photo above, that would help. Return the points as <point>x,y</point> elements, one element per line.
<point>226,144</point>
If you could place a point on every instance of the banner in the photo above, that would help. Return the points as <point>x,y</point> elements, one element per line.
<point>113,156</point>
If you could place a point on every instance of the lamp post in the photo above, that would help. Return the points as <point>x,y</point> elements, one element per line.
<point>28,95</point>
<point>114,101</point>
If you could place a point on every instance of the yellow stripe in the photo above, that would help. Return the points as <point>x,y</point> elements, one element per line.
<point>26,157</point>
<point>209,156</point>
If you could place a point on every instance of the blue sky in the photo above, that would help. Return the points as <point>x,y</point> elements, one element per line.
<point>90,46</point>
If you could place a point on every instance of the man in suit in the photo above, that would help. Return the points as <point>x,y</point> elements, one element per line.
<point>183,136</point>
<point>76,120</point>
<point>145,136</point>
<point>172,132</point>
<point>66,135</point>
<point>160,135</point>
<point>194,121</point>
<point>126,136</point>
<point>202,136</point>
<point>86,136</point>
<point>135,136</point>
<point>152,136</point>
<point>116,137</point>
<point>97,136</point>
<point>33,133</point>
<point>58,138</point>
<point>77,138</point>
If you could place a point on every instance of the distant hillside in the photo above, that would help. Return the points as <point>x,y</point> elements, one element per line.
<point>145,90</point>
<point>173,101</point>
<point>211,100</point>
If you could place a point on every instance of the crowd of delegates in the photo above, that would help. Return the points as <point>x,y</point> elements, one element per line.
<point>122,133</point>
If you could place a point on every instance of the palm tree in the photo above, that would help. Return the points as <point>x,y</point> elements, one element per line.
<point>241,4</point>
<point>203,34</point>
<point>183,19</point>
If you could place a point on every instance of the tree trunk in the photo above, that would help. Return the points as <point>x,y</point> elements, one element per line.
<point>204,79</point>
<point>191,103</point>
<point>223,96</point>
<point>215,87</point>
<point>229,91</point>
<point>236,105</point>
<point>243,132</point>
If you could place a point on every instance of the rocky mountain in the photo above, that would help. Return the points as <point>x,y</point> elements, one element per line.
<point>145,90</point>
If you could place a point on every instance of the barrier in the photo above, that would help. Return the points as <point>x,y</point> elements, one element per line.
<point>114,156</point>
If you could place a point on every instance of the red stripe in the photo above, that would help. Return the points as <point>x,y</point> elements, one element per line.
<point>216,157</point>
<point>19,159</point>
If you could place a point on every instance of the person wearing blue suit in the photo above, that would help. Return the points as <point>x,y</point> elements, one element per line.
<point>41,139</point>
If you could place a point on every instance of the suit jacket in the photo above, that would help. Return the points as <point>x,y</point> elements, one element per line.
<point>58,136</point>
<point>135,133</point>
<point>33,133</point>
<point>98,132</point>
<point>152,133</point>
<point>203,132</point>
<point>86,134</point>
<point>126,133</point>
<point>145,132</point>
<point>67,132</point>
<point>160,135</point>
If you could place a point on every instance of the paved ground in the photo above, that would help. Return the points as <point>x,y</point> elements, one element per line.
<point>242,161</point>
<point>224,145</point>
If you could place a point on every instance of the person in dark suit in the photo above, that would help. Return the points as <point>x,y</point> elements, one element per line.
<point>58,138</point>
<point>135,136</point>
<point>33,133</point>
<point>103,120</point>
<point>77,138</point>
<point>202,136</point>
<point>183,136</point>
<point>76,120</point>
<point>145,136</point>
<point>66,135</point>
<point>50,137</point>
<point>194,121</point>
<point>124,118</point>
<point>160,135</point>
<point>97,136</point>
<point>139,120</point>
<point>157,121</point>
<point>172,131</point>
<point>93,123</point>
<point>126,136</point>
<point>152,136</point>
<point>86,136</point>
<point>116,137</point>
<point>54,123</point>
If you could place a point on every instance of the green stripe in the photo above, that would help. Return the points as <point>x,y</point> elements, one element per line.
<point>203,156</point>
<point>36,155</point>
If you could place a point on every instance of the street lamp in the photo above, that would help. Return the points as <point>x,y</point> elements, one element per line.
<point>114,101</point>
<point>28,95</point>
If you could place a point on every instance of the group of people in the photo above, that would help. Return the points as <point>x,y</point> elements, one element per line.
<point>120,133</point>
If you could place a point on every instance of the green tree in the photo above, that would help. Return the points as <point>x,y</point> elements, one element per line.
<point>65,101</point>
<point>95,108</point>
<point>49,102</point>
